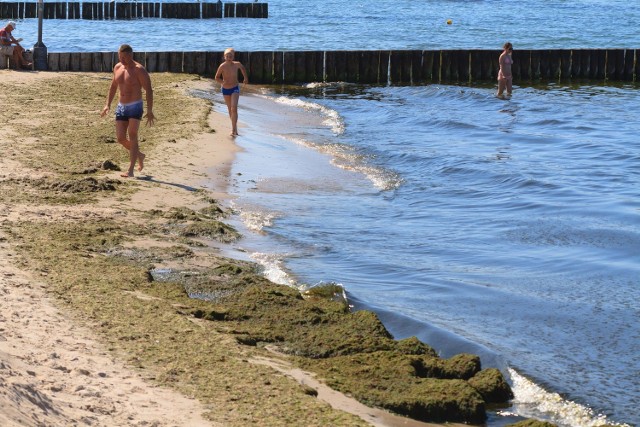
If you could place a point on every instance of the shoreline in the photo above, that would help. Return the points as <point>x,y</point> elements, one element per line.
<point>172,175</point>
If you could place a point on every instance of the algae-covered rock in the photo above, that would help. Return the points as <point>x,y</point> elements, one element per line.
<point>413,345</point>
<point>491,384</point>
<point>432,400</point>
<point>533,423</point>
<point>212,229</point>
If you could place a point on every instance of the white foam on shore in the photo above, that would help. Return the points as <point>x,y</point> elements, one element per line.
<point>257,220</point>
<point>344,157</point>
<point>533,401</point>
<point>273,268</point>
<point>331,118</point>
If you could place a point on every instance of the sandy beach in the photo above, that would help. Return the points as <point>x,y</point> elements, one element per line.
<point>125,355</point>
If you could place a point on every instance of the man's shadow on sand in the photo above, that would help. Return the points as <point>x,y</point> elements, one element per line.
<point>150,178</point>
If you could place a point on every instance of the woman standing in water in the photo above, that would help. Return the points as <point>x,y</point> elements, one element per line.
<point>505,78</point>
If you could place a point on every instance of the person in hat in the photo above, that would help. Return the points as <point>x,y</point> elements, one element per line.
<point>11,46</point>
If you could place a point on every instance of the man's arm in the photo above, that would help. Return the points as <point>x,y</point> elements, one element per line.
<point>111,94</point>
<point>145,82</point>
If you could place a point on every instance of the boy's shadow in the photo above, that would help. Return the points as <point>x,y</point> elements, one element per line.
<point>173,184</point>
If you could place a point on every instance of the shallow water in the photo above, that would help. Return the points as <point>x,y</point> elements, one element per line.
<point>506,228</point>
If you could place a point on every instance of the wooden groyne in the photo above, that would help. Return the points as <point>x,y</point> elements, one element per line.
<point>380,66</point>
<point>133,10</point>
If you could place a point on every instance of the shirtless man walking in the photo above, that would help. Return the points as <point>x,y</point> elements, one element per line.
<point>130,78</point>
<point>227,76</point>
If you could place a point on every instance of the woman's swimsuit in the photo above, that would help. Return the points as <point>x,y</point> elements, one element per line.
<point>507,61</point>
<point>227,92</point>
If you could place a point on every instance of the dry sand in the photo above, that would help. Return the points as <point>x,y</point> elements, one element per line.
<point>53,370</point>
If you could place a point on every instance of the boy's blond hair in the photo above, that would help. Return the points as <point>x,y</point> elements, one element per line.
<point>229,49</point>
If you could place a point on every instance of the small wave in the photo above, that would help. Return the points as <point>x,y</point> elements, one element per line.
<point>332,118</point>
<point>257,220</point>
<point>274,269</point>
<point>531,400</point>
<point>346,158</point>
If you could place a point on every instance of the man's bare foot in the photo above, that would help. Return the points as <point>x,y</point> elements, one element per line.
<point>141,157</point>
<point>127,175</point>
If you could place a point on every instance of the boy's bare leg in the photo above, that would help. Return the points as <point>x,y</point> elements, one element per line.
<point>227,100</point>
<point>235,97</point>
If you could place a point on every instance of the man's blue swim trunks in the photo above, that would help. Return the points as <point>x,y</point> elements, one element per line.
<point>235,89</point>
<point>133,110</point>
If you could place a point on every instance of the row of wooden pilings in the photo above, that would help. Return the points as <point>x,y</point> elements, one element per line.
<point>379,66</point>
<point>133,10</point>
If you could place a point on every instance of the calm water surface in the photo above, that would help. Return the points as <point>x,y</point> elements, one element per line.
<point>511,228</point>
<point>359,24</point>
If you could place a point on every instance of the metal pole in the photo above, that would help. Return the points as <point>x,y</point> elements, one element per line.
<point>39,49</point>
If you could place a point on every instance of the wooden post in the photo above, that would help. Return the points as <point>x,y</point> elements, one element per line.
<point>314,62</point>
<point>615,64</point>
<point>212,63</point>
<point>195,63</point>
<point>86,61</point>
<point>566,63</point>
<point>336,70</point>
<point>241,10</point>
<point>53,61</point>
<point>74,10</point>
<point>175,62</point>
<point>30,10</point>
<point>576,63</point>
<point>263,64</point>
<point>61,10</point>
<point>301,72</point>
<point>152,62</point>
<point>11,10</point>
<point>629,58</point>
<point>140,57</point>
<point>87,11</point>
<point>598,64</point>
<point>211,10</point>
<point>162,62</point>
<point>352,62</point>
<point>524,58</point>
<point>288,67</point>
<point>110,10</point>
<point>278,67</point>
<point>229,10</point>
<point>74,61</point>
<point>20,10</point>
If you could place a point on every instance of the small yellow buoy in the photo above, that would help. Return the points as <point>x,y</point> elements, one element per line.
<point>449,22</point>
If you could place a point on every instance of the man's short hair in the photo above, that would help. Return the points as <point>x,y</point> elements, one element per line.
<point>125,48</point>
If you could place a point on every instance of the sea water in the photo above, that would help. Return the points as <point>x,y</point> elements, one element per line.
<point>505,228</point>
<point>362,24</point>
<point>510,229</point>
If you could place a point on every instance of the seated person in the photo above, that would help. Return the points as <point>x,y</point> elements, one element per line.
<point>6,46</point>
